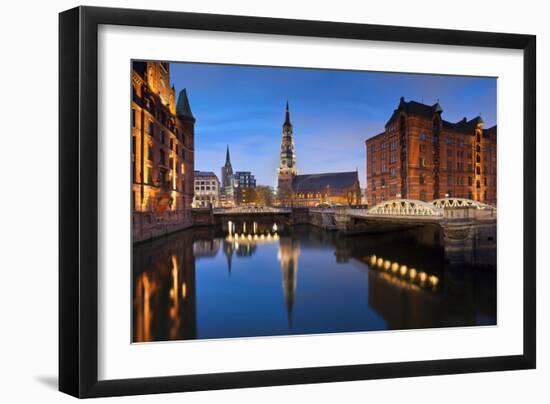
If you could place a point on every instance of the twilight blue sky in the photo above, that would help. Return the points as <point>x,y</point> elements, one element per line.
<point>333,112</point>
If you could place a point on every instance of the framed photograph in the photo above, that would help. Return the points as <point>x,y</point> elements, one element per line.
<point>251,201</point>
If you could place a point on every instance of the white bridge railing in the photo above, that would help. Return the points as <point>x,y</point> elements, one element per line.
<point>250,210</point>
<point>446,203</point>
<point>405,207</point>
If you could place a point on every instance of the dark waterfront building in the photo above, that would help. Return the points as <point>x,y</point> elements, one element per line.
<point>244,184</point>
<point>244,179</point>
<point>311,189</point>
<point>163,134</point>
<point>422,156</point>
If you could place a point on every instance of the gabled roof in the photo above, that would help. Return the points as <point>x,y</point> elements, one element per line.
<point>464,125</point>
<point>314,182</point>
<point>416,108</point>
<point>183,109</point>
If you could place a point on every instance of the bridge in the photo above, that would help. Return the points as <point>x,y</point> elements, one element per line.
<point>437,210</point>
<point>465,228</point>
<point>462,226</point>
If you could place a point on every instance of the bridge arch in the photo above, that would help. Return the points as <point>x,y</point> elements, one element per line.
<point>405,207</point>
<point>444,203</point>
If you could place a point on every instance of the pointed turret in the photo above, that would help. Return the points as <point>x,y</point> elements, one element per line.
<point>437,108</point>
<point>183,108</point>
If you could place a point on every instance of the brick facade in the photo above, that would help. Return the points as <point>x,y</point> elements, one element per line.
<point>421,156</point>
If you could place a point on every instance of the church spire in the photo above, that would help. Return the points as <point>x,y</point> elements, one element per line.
<point>287,115</point>
<point>227,158</point>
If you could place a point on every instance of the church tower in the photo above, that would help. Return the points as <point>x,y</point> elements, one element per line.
<point>287,159</point>
<point>227,170</point>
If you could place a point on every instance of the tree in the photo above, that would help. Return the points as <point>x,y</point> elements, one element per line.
<point>262,196</point>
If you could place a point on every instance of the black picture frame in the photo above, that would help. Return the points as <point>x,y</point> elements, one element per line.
<point>78,200</point>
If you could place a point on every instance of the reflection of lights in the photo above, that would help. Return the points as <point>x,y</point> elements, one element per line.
<point>262,237</point>
<point>412,273</point>
<point>434,280</point>
<point>174,309</point>
<point>275,236</point>
<point>274,226</point>
<point>402,275</point>
<point>183,290</point>
<point>230,227</point>
<point>250,237</point>
<point>373,260</point>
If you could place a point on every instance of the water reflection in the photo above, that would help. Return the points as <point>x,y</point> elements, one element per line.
<point>203,283</point>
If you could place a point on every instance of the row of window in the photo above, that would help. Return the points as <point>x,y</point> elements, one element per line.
<point>151,131</point>
<point>423,137</point>
<point>423,196</point>
<point>205,188</point>
<point>460,181</point>
<point>205,182</point>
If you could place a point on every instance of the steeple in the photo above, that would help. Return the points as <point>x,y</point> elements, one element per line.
<point>227,170</point>
<point>227,158</point>
<point>183,109</point>
<point>287,115</point>
<point>287,157</point>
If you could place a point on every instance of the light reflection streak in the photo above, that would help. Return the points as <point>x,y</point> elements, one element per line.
<point>402,275</point>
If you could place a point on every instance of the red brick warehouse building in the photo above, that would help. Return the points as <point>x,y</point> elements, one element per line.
<point>422,156</point>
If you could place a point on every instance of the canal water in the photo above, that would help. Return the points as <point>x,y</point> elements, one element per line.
<point>202,283</point>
